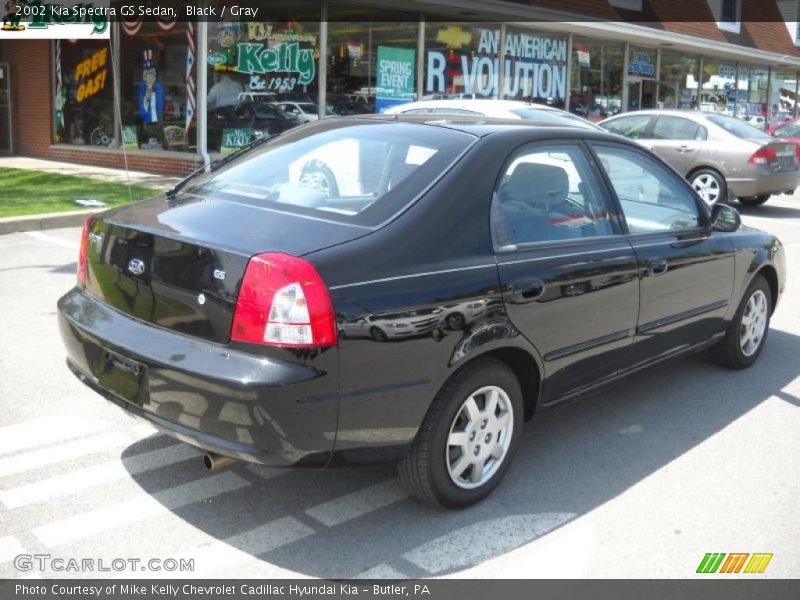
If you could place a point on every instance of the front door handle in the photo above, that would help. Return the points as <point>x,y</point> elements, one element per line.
<point>527,290</point>
<point>658,266</point>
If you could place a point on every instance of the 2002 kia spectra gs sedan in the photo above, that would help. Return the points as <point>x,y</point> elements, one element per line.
<point>389,289</point>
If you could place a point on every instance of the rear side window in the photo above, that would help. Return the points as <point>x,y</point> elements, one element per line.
<point>652,199</point>
<point>678,128</point>
<point>548,193</point>
<point>633,127</point>
<point>362,173</point>
<point>738,128</point>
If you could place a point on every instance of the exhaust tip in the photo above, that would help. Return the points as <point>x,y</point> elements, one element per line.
<point>216,462</point>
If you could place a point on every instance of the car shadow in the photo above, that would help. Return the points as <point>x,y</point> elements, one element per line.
<point>768,211</point>
<point>570,461</point>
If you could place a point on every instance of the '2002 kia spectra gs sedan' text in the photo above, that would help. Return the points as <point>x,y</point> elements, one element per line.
<point>377,289</point>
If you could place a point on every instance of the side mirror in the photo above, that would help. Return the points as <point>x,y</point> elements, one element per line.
<point>725,218</point>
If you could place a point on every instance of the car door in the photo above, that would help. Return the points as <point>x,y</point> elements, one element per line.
<point>679,141</point>
<point>569,278</point>
<point>686,269</point>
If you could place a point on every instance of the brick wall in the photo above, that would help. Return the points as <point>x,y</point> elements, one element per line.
<point>166,163</point>
<point>29,62</point>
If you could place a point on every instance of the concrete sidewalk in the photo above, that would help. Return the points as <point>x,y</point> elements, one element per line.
<point>72,218</point>
<point>105,173</point>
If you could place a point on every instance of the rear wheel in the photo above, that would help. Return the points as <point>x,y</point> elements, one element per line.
<point>754,200</point>
<point>468,438</point>
<point>709,185</point>
<point>747,332</point>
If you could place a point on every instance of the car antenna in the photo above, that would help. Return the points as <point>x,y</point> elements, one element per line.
<point>115,81</point>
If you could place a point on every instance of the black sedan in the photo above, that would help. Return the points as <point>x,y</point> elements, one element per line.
<point>238,313</point>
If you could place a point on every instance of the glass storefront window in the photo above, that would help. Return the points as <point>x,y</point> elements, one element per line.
<point>782,96</point>
<point>262,79</point>
<point>157,99</point>
<point>678,81</point>
<point>717,91</point>
<point>641,78</point>
<point>596,85</point>
<point>84,94</point>
<point>752,95</point>
<point>535,67</point>
<point>462,60</point>
<point>371,66</point>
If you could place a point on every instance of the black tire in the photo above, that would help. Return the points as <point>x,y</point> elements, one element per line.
<point>425,469</point>
<point>378,334</point>
<point>728,352</point>
<point>754,200</point>
<point>455,321</point>
<point>717,176</point>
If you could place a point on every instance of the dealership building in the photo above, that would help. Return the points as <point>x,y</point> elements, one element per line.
<point>168,95</point>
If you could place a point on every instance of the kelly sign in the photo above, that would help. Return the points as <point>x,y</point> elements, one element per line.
<point>395,77</point>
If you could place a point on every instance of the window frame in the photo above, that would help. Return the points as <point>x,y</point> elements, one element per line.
<point>734,26</point>
<point>704,221</point>
<point>612,204</point>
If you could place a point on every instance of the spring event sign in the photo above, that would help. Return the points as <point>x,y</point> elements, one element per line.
<point>395,77</point>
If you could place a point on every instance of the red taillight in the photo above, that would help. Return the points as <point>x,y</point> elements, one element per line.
<point>283,302</point>
<point>83,258</point>
<point>797,154</point>
<point>763,156</point>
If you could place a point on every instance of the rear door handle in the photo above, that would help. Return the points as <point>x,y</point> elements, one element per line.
<point>685,149</point>
<point>658,266</point>
<point>527,290</point>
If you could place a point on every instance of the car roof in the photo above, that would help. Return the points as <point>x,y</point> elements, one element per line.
<point>487,104</point>
<point>481,126</point>
<point>687,113</point>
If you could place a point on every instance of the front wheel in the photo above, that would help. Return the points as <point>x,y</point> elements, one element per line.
<point>744,339</point>
<point>754,200</point>
<point>710,186</point>
<point>468,438</point>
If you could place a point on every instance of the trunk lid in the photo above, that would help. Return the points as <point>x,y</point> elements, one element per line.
<point>179,263</point>
<point>781,155</point>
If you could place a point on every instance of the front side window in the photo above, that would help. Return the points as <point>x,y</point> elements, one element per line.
<point>678,128</point>
<point>652,199</point>
<point>633,127</point>
<point>548,193</point>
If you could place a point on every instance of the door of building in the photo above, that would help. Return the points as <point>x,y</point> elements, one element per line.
<point>641,93</point>
<point>6,135</point>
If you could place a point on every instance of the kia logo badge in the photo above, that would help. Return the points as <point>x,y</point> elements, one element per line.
<point>136,266</point>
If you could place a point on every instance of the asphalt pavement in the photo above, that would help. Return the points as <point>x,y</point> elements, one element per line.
<point>639,480</point>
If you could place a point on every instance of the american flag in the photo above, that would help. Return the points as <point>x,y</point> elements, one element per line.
<point>59,118</point>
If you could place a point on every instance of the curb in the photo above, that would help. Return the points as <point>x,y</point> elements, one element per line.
<point>38,222</point>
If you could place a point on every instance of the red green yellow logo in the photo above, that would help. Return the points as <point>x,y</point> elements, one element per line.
<point>735,562</point>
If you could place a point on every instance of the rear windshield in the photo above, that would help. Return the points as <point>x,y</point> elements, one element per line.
<point>738,128</point>
<point>551,116</point>
<point>355,171</point>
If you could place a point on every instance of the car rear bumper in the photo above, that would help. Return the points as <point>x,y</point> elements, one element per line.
<point>758,185</point>
<point>255,407</point>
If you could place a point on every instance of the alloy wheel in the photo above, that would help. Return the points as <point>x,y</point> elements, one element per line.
<point>754,323</point>
<point>708,188</point>
<point>479,437</point>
